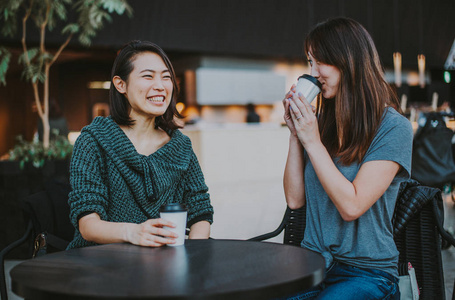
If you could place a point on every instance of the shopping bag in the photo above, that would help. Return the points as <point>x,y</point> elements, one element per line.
<point>409,290</point>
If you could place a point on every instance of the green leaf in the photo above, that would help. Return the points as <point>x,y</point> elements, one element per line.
<point>34,152</point>
<point>5,57</point>
<point>60,9</point>
<point>31,55</point>
<point>71,28</point>
<point>46,57</point>
<point>90,17</point>
<point>118,6</point>
<point>34,73</point>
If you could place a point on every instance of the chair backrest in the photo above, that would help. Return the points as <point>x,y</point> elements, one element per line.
<point>295,226</point>
<point>418,229</point>
<point>49,212</point>
<point>420,244</point>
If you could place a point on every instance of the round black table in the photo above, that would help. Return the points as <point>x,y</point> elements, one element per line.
<point>201,269</point>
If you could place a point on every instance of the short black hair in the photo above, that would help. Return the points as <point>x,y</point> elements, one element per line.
<point>123,66</point>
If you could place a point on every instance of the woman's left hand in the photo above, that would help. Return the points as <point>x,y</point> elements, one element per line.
<point>304,119</point>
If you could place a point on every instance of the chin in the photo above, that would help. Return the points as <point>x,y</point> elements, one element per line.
<point>328,96</point>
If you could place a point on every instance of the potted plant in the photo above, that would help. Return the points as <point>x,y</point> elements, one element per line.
<point>30,164</point>
<point>46,15</point>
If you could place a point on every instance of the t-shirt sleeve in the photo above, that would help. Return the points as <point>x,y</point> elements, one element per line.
<point>89,192</point>
<point>393,142</point>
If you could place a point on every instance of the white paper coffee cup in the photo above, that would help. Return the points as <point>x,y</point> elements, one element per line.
<point>309,86</point>
<point>177,214</point>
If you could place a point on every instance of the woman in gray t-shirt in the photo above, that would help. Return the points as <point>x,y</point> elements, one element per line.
<point>345,162</point>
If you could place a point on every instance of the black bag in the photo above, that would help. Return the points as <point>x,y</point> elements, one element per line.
<point>432,157</point>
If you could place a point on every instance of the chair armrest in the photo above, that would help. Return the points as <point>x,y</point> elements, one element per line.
<point>4,252</point>
<point>277,231</point>
<point>437,210</point>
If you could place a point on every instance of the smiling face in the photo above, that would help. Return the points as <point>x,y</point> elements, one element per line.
<point>149,86</point>
<point>328,75</point>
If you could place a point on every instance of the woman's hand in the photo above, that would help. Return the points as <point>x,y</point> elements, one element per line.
<point>304,120</point>
<point>151,233</point>
<point>287,111</point>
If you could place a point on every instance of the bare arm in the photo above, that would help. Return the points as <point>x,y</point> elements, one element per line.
<point>293,179</point>
<point>352,199</point>
<point>150,233</point>
<point>200,230</point>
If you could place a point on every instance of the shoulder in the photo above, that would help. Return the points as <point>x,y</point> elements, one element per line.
<point>178,137</point>
<point>395,131</point>
<point>394,122</point>
<point>393,141</point>
<point>101,129</point>
<point>394,118</point>
<point>102,124</point>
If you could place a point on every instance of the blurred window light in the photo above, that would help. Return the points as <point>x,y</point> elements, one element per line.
<point>180,107</point>
<point>450,62</point>
<point>100,85</point>
<point>413,78</point>
<point>447,77</point>
<point>72,136</point>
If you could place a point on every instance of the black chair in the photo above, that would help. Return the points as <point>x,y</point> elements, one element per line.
<point>418,234</point>
<point>293,224</point>
<point>48,226</point>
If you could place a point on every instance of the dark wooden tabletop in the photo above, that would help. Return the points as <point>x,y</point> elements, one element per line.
<point>202,269</point>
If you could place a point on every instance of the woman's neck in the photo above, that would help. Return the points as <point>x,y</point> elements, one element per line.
<point>144,136</point>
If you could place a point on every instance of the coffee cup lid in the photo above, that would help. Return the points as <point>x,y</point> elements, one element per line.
<point>173,207</point>
<point>312,79</point>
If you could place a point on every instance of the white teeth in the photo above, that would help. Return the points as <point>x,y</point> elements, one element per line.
<point>156,99</point>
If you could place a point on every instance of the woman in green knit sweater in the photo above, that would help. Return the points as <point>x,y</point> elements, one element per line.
<point>126,166</point>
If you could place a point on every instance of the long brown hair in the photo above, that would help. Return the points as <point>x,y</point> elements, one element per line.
<point>348,123</point>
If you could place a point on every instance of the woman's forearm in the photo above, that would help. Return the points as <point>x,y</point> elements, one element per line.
<point>151,233</point>
<point>93,229</point>
<point>200,230</point>
<point>293,179</point>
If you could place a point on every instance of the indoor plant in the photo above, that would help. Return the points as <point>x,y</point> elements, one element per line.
<point>47,15</point>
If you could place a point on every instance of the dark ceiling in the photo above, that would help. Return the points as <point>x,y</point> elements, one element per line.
<point>276,28</point>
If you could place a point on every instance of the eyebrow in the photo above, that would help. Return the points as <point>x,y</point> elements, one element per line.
<point>153,71</point>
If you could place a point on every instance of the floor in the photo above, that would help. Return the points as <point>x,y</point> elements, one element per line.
<point>448,255</point>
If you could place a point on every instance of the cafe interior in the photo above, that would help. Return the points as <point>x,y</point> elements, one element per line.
<point>228,55</point>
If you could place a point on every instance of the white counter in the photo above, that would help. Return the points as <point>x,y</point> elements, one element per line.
<point>243,165</point>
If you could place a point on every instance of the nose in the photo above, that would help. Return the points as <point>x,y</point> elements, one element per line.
<point>158,84</point>
<point>314,71</point>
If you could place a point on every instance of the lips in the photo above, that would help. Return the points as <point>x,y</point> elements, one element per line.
<point>157,99</point>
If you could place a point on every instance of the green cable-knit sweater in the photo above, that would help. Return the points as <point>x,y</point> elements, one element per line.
<point>111,178</point>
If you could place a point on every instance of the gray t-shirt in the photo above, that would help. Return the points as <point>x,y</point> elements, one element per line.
<point>368,241</point>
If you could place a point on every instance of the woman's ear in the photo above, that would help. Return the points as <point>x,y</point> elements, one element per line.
<point>119,84</point>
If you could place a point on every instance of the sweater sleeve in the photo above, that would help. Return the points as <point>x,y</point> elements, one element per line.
<point>89,193</point>
<point>196,195</point>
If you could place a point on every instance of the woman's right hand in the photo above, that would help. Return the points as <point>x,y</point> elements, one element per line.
<point>151,233</point>
<point>287,111</point>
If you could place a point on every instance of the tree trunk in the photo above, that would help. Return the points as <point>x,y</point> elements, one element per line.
<point>46,132</point>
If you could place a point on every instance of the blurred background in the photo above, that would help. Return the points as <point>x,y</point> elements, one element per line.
<point>232,57</point>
